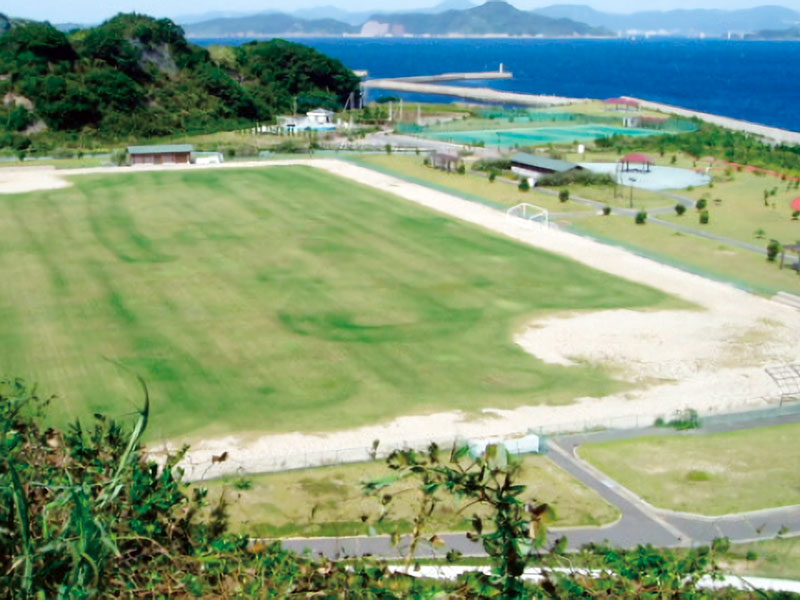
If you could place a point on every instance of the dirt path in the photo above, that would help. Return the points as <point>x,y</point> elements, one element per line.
<point>711,359</point>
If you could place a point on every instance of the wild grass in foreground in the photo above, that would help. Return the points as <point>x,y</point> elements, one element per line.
<point>278,299</point>
<point>329,501</point>
<point>83,515</point>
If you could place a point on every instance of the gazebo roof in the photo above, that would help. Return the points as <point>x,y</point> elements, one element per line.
<point>796,203</point>
<point>625,101</point>
<point>636,157</point>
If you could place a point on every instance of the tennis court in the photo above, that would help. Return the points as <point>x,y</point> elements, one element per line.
<point>537,135</point>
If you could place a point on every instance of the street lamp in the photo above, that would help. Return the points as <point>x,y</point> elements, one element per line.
<point>631,181</point>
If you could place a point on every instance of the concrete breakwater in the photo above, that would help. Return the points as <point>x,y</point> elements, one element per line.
<point>479,94</point>
<point>780,136</point>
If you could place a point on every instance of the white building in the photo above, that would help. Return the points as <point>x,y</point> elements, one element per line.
<point>319,119</point>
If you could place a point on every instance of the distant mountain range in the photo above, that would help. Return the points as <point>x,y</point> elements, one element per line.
<point>492,18</point>
<point>689,23</point>
<point>463,17</point>
<point>791,34</point>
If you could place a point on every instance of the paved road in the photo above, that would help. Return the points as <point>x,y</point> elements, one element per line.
<point>640,523</point>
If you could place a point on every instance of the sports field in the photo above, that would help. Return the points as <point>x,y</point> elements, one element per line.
<point>537,135</point>
<point>276,299</point>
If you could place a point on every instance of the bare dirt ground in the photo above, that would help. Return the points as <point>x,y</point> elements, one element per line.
<point>18,180</point>
<point>711,358</point>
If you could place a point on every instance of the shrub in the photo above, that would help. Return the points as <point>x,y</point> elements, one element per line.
<point>641,217</point>
<point>795,215</point>
<point>524,186</point>
<point>388,148</point>
<point>288,147</point>
<point>461,169</point>
<point>563,195</point>
<point>751,555</point>
<point>704,217</point>
<point>492,164</point>
<point>680,209</point>
<point>492,176</point>
<point>697,476</point>
<point>575,178</point>
<point>701,204</point>
<point>773,249</point>
<point>606,210</point>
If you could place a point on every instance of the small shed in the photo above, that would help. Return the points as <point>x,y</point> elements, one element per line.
<point>319,118</point>
<point>161,155</point>
<point>636,161</point>
<point>527,444</point>
<point>445,161</point>
<point>530,165</point>
<point>644,121</point>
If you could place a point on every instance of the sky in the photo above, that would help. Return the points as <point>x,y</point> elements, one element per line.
<point>92,11</point>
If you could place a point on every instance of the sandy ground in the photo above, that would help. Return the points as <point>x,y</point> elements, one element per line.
<point>711,359</point>
<point>18,180</point>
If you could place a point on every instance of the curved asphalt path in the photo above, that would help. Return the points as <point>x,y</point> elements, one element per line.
<point>640,522</point>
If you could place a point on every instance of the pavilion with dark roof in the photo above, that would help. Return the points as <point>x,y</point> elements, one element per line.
<point>531,165</point>
<point>624,103</point>
<point>642,161</point>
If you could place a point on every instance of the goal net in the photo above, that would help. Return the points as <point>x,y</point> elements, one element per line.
<point>528,215</point>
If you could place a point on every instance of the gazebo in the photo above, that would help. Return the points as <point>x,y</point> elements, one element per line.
<point>642,161</point>
<point>622,103</point>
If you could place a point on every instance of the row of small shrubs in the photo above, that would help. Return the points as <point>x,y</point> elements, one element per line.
<point>492,164</point>
<point>583,177</point>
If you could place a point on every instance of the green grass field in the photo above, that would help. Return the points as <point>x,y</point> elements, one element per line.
<point>277,299</point>
<point>329,501</point>
<point>708,474</point>
<point>706,257</point>
<point>469,185</point>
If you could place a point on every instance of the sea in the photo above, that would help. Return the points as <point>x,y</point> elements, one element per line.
<point>756,81</point>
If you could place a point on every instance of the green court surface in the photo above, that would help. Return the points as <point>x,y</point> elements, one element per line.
<point>277,299</point>
<point>537,135</point>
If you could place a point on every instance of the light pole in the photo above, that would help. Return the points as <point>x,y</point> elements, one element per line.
<point>631,181</point>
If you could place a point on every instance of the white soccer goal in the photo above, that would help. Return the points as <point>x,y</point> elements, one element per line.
<point>528,215</point>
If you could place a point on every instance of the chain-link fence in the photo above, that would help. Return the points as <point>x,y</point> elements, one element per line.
<point>201,467</point>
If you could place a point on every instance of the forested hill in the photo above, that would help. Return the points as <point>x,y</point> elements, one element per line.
<point>134,76</point>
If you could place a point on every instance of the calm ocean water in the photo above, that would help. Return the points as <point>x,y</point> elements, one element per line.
<point>755,81</point>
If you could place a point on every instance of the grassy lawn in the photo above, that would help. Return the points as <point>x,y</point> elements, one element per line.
<point>707,474</point>
<point>469,185</point>
<point>736,208</point>
<point>771,558</point>
<point>694,253</point>
<point>622,196</point>
<point>277,299</point>
<point>329,501</point>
